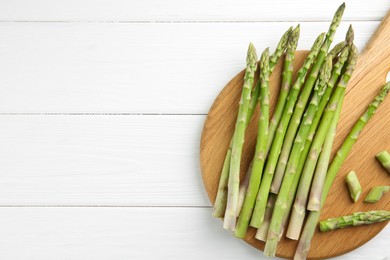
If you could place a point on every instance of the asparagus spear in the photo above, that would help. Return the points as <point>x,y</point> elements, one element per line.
<point>355,189</point>
<point>275,230</point>
<point>220,201</point>
<point>262,232</point>
<point>300,107</point>
<point>384,158</point>
<point>238,141</point>
<point>341,155</point>
<point>299,208</point>
<point>259,157</point>
<point>356,219</point>
<point>301,149</point>
<point>323,163</point>
<point>262,196</point>
<point>286,84</point>
<point>376,193</point>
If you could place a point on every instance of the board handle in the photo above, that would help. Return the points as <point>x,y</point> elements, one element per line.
<point>374,61</point>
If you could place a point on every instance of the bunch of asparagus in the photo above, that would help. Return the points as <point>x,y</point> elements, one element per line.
<point>290,170</point>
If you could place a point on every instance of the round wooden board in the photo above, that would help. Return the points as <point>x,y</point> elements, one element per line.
<point>218,130</point>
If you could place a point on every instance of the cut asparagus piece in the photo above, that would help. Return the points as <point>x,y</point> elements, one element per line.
<point>221,199</point>
<point>262,232</point>
<point>299,208</point>
<point>376,193</point>
<point>355,189</point>
<point>356,219</point>
<point>314,216</point>
<point>286,84</point>
<point>262,196</point>
<point>238,141</point>
<point>300,107</point>
<point>300,151</point>
<point>317,185</point>
<point>384,158</point>
<point>259,157</point>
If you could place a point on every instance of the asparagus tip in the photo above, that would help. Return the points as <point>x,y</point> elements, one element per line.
<point>251,56</point>
<point>350,35</point>
<point>264,58</point>
<point>339,13</point>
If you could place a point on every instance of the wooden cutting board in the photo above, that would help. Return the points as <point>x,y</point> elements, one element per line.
<point>367,80</point>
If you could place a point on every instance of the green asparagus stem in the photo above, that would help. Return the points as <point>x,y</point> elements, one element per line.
<point>301,149</point>
<point>384,158</point>
<point>355,189</point>
<point>299,208</point>
<point>356,219</point>
<point>276,229</point>
<point>286,84</point>
<point>317,185</point>
<point>221,199</point>
<point>300,106</point>
<point>376,193</point>
<point>262,196</point>
<point>262,232</point>
<point>238,141</point>
<point>259,157</point>
<point>341,155</point>
<point>243,188</point>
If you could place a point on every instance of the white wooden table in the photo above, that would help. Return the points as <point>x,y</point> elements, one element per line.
<point>102,105</point>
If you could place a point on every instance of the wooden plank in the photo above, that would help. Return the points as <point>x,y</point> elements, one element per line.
<point>133,233</point>
<point>101,160</point>
<point>132,68</point>
<point>176,10</point>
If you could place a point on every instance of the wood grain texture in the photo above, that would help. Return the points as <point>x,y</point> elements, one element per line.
<point>106,67</point>
<point>369,77</point>
<point>177,10</point>
<point>87,233</point>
